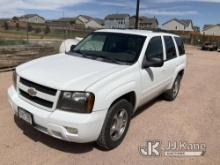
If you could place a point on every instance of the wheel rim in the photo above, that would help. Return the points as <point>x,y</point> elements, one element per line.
<point>119,124</point>
<point>176,88</point>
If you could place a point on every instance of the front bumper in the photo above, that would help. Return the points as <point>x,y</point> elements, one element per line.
<point>54,123</point>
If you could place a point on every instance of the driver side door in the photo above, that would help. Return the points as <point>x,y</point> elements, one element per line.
<point>152,78</point>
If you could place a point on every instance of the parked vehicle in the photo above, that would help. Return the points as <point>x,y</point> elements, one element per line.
<point>210,46</point>
<point>91,93</point>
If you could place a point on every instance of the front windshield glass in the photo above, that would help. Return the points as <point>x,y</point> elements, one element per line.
<point>111,47</point>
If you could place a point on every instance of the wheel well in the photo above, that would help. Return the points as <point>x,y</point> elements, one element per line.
<point>181,73</point>
<point>130,97</point>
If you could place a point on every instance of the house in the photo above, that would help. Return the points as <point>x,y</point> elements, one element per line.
<point>31,18</point>
<point>117,21</point>
<point>178,25</point>
<point>3,21</point>
<point>65,24</point>
<point>213,30</point>
<point>143,22</point>
<point>196,28</point>
<point>65,19</point>
<point>89,22</point>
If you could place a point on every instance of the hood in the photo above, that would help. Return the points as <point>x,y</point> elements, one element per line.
<point>67,72</point>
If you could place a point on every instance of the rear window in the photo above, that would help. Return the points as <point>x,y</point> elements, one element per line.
<point>180,45</point>
<point>170,48</point>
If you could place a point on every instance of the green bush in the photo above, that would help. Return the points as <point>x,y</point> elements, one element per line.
<point>12,42</point>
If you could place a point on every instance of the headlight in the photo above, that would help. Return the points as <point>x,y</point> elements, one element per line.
<point>81,102</point>
<point>14,78</point>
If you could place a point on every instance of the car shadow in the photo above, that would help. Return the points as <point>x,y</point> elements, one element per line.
<point>57,144</point>
<point>147,106</point>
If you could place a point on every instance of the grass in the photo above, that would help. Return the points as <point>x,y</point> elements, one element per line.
<point>22,34</point>
<point>12,42</point>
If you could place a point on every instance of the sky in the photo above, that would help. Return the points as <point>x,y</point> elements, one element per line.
<point>200,11</point>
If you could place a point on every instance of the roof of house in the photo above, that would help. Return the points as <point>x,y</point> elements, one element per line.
<point>208,26</point>
<point>146,19</point>
<point>31,15</point>
<point>152,20</point>
<point>65,19</point>
<point>185,22</point>
<point>85,16</point>
<point>196,28</point>
<point>117,16</point>
<point>98,20</point>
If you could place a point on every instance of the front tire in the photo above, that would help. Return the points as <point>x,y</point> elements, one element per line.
<point>116,125</point>
<point>172,93</point>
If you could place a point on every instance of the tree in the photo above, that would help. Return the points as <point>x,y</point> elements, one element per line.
<point>37,30</point>
<point>47,29</point>
<point>29,28</point>
<point>6,25</point>
<point>73,22</point>
<point>15,19</point>
<point>17,26</point>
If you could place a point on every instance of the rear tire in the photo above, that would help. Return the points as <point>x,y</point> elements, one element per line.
<point>116,125</point>
<point>172,93</point>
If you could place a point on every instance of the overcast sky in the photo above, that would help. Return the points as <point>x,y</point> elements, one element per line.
<point>200,11</point>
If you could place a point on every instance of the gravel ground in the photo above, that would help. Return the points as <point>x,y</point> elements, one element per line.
<point>193,117</point>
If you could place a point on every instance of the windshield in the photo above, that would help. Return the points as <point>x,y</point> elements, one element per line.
<point>111,47</point>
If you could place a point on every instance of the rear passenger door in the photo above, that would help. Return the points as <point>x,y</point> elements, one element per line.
<point>181,50</point>
<point>171,60</point>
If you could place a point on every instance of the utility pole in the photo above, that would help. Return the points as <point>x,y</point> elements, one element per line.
<point>64,27</point>
<point>137,14</point>
<point>27,31</point>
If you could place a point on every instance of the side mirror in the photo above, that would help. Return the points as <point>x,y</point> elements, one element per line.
<point>153,62</point>
<point>72,47</point>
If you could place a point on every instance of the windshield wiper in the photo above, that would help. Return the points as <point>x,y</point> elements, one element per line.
<point>87,55</point>
<point>108,58</point>
<point>83,54</point>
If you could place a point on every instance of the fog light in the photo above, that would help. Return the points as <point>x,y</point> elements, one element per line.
<point>72,130</point>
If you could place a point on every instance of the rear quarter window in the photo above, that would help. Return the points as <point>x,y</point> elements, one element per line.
<point>180,45</point>
<point>170,48</point>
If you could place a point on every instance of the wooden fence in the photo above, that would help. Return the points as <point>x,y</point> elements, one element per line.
<point>11,56</point>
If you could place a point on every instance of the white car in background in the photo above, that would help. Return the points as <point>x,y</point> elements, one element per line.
<point>90,93</point>
<point>68,43</point>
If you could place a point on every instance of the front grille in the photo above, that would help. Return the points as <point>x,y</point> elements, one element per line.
<point>38,87</point>
<point>36,100</point>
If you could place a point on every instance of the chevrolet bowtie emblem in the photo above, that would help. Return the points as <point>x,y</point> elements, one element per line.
<point>32,92</point>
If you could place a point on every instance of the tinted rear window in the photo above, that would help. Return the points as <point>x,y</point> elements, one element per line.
<point>170,47</point>
<point>180,45</point>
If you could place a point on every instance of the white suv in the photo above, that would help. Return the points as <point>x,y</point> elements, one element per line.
<point>91,93</point>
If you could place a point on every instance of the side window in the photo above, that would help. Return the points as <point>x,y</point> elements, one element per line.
<point>180,45</point>
<point>170,48</point>
<point>155,48</point>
